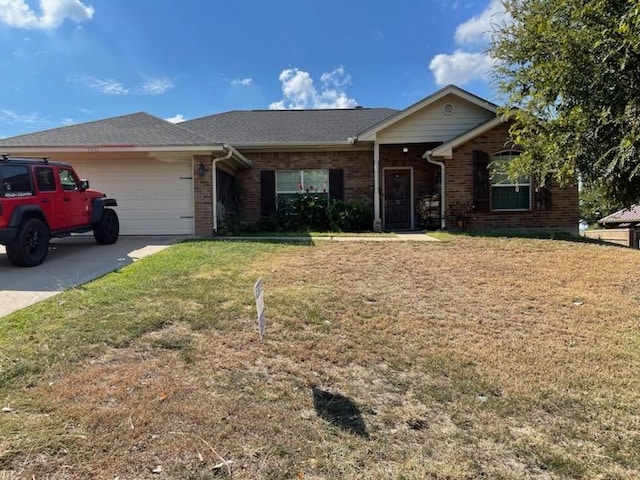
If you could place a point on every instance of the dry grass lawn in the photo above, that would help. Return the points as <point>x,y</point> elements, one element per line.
<point>471,358</point>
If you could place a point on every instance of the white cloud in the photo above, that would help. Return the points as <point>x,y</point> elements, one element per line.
<point>176,119</point>
<point>17,13</point>
<point>156,86</point>
<point>12,117</point>
<point>242,82</point>
<point>148,86</point>
<point>300,92</point>
<point>460,68</point>
<point>108,87</point>
<point>464,66</point>
<point>477,30</point>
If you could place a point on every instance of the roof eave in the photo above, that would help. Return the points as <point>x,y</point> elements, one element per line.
<point>97,148</point>
<point>286,145</point>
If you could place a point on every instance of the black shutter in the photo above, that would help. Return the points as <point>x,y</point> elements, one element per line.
<point>481,182</point>
<point>268,193</point>
<point>542,198</point>
<point>336,184</point>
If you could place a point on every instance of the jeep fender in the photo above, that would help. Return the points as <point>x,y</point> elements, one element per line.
<point>98,205</point>
<point>23,211</point>
<point>8,234</point>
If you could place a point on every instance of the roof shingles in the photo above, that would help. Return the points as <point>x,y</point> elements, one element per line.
<point>136,129</point>
<point>259,127</point>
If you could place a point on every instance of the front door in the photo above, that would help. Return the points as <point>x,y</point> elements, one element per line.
<point>397,199</point>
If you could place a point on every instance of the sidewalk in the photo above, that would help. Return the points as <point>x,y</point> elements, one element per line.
<point>399,237</point>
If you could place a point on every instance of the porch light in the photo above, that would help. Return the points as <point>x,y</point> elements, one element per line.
<point>202,170</point>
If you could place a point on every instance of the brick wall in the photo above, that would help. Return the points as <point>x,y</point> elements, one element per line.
<point>562,216</point>
<point>203,197</point>
<point>425,175</point>
<point>357,167</point>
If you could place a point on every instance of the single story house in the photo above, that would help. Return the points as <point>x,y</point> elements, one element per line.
<point>186,178</point>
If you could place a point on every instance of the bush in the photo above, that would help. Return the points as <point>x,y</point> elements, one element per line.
<point>306,213</point>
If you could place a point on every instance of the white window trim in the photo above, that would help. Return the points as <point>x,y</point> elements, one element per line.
<point>529,184</point>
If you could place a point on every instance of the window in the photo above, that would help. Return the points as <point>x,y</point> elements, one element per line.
<point>45,179</point>
<point>67,179</point>
<point>506,193</point>
<point>290,183</point>
<point>15,181</point>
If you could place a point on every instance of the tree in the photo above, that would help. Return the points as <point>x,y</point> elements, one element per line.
<point>596,204</point>
<point>570,71</point>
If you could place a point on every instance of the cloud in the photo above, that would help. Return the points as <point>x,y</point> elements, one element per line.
<point>17,13</point>
<point>471,63</point>
<point>477,29</point>
<point>108,87</point>
<point>176,119</point>
<point>300,93</point>
<point>156,86</point>
<point>242,82</point>
<point>461,67</point>
<point>148,86</point>
<point>12,117</point>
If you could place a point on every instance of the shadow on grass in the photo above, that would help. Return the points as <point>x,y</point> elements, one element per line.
<point>339,411</point>
<point>560,236</point>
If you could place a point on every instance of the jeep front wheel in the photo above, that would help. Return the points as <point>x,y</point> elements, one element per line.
<point>31,244</point>
<point>106,231</point>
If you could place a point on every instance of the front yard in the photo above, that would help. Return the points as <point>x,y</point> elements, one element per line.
<point>468,358</point>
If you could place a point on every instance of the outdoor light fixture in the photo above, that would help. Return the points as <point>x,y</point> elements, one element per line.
<point>405,150</point>
<point>202,170</point>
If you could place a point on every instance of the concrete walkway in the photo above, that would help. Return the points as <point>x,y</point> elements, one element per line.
<point>399,237</point>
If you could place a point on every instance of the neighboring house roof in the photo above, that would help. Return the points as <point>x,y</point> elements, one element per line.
<point>370,132</point>
<point>255,128</point>
<point>625,217</point>
<point>136,129</point>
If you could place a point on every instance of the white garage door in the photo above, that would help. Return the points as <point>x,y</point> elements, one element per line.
<point>154,197</point>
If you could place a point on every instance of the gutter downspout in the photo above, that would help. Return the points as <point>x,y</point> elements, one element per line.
<point>214,185</point>
<point>427,157</point>
<point>377,221</point>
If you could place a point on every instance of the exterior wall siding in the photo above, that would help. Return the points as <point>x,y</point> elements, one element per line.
<point>562,216</point>
<point>433,125</point>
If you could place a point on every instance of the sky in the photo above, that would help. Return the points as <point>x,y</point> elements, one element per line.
<point>66,62</point>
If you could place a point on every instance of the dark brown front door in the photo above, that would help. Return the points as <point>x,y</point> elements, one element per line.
<point>397,199</point>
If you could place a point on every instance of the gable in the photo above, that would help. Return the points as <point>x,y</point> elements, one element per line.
<point>440,121</point>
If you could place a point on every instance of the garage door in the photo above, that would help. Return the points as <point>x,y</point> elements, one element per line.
<point>154,197</point>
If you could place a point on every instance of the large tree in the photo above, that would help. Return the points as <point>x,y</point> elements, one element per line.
<point>570,73</point>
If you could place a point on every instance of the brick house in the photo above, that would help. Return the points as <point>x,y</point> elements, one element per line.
<point>433,157</point>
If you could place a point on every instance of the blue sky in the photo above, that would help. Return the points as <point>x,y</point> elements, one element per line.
<point>72,61</point>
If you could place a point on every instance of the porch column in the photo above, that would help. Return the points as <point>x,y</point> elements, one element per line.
<point>377,220</point>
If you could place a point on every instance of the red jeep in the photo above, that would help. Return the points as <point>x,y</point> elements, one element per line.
<point>40,199</point>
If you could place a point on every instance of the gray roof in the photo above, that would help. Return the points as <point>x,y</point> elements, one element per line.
<point>629,215</point>
<point>259,127</point>
<point>136,129</point>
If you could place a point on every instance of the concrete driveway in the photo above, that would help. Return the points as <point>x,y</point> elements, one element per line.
<point>72,261</point>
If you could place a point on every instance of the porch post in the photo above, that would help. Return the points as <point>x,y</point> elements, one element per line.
<point>377,220</point>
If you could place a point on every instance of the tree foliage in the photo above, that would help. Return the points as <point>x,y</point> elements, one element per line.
<point>570,71</point>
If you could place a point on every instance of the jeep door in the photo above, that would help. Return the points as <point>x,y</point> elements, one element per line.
<point>75,202</point>
<point>48,197</point>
